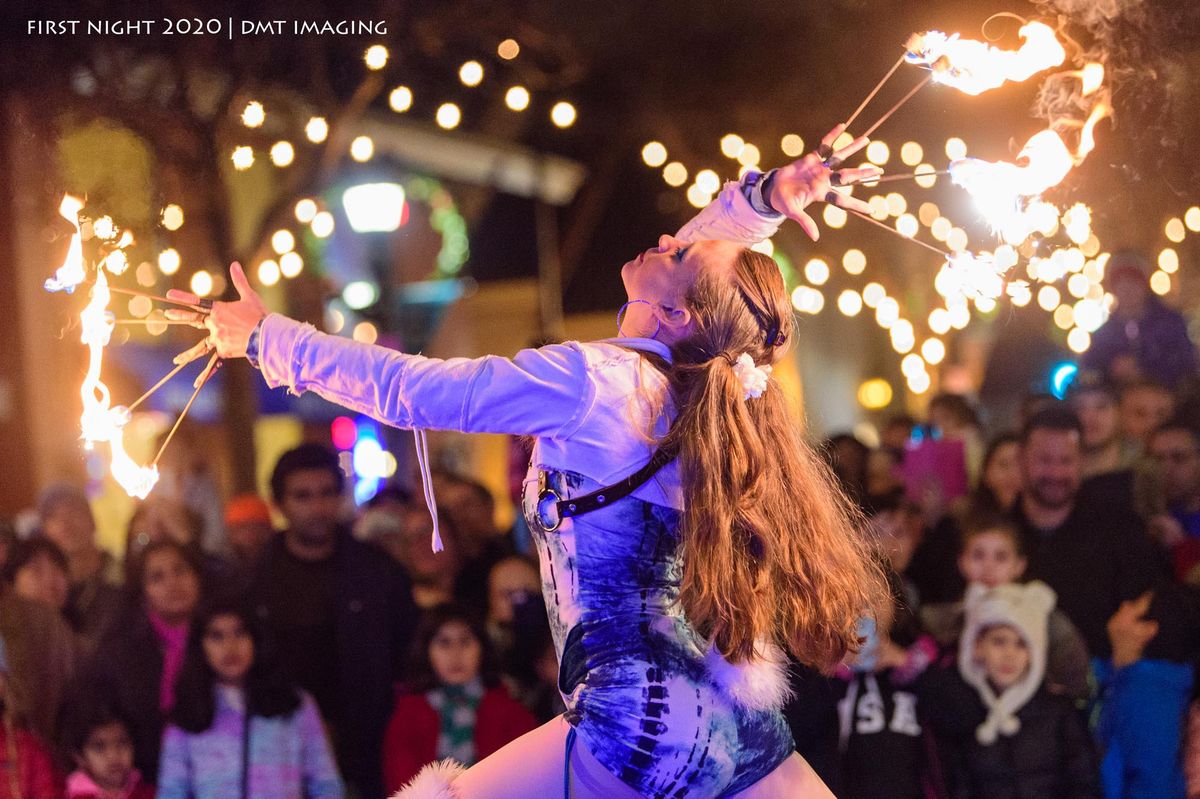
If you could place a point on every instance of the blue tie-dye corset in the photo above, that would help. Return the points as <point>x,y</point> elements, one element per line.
<point>631,667</point>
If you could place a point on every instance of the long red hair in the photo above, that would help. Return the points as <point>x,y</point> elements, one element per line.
<point>772,549</point>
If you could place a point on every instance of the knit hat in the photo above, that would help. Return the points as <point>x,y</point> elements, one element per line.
<point>1025,608</point>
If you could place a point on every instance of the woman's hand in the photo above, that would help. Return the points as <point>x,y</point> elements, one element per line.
<point>812,179</point>
<point>229,323</point>
<point>1129,632</point>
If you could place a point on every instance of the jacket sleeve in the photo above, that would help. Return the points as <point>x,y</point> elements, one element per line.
<point>174,778</point>
<point>321,780</point>
<point>542,392</point>
<point>730,217</point>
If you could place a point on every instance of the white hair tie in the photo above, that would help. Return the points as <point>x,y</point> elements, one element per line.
<point>753,378</point>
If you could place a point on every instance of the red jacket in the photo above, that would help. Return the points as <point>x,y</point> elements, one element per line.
<point>412,734</point>
<point>36,776</point>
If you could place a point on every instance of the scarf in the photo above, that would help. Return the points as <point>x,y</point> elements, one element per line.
<point>456,706</point>
<point>173,640</point>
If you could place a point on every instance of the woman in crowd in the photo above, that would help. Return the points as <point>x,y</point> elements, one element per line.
<point>454,705</point>
<point>138,661</point>
<point>238,728</point>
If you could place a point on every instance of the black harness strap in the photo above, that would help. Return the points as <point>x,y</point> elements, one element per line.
<point>603,497</point>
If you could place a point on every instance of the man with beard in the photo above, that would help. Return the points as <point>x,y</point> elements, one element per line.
<point>1095,555</point>
<point>340,611</point>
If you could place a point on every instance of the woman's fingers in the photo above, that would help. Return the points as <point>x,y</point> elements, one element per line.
<point>807,224</point>
<point>848,177</point>
<point>846,201</point>
<point>825,148</point>
<point>201,348</point>
<point>849,150</point>
<point>186,297</point>
<point>184,315</point>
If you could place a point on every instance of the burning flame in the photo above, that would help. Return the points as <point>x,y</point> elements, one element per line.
<point>1006,192</point>
<point>974,67</point>
<point>100,421</point>
<point>71,273</point>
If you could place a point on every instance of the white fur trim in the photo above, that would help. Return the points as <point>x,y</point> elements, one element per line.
<point>757,684</point>
<point>433,782</point>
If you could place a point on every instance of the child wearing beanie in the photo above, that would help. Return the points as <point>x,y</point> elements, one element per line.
<point>1002,733</point>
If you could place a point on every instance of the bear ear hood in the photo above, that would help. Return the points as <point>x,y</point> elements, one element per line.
<point>1025,608</point>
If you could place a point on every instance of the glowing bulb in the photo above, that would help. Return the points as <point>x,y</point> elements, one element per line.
<point>875,394</point>
<point>169,261</point>
<point>471,73</point>
<point>1064,317</point>
<point>792,145</point>
<point>850,302</point>
<point>675,174</point>
<point>926,176</point>
<point>401,99</point>
<point>1192,219</point>
<point>1175,230</point>
<point>887,312</point>
<point>956,148</point>
<point>362,148</point>
<point>927,213</point>
<point>282,241</point>
<point>1078,287</point>
<point>816,271</point>
<point>202,283</point>
<point>873,294</point>
<point>366,333</point>
<point>376,57</point>
<point>878,207</point>
<point>306,209</point>
<point>172,217</point>
<point>834,216</point>
<point>1079,340</point>
<point>290,264</point>
<point>1168,261</point>
<point>907,225</point>
<point>854,262</point>
<point>316,129</point>
<point>708,181</point>
<point>896,203</point>
<point>697,196</point>
<point>508,49</point>
<point>242,157</point>
<point>654,154</point>
<point>750,155</point>
<point>253,115</point>
<point>878,153</point>
<point>563,114</point>
<point>517,98</point>
<point>912,365</point>
<point>911,153</point>
<point>322,224</point>
<point>919,384</point>
<point>448,116</point>
<point>933,350</point>
<point>268,273</point>
<point>732,145</point>
<point>1160,283</point>
<point>940,228</point>
<point>939,321</point>
<point>957,240</point>
<point>282,153</point>
<point>1048,298</point>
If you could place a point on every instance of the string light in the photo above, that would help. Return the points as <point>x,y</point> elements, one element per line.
<point>401,99</point>
<point>792,145</point>
<point>732,145</point>
<point>563,114</point>
<point>306,209</point>
<point>508,49</point>
<point>517,98</point>
<point>834,216</point>
<point>169,261</point>
<point>1192,219</point>
<point>878,153</point>
<point>282,153</point>
<point>316,129</point>
<point>1175,229</point>
<point>697,196</point>
<point>268,273</point>
<point>282,240</point>
<point>253,115</point>
<point>322,224</point>
<point>956,148</point>
<point>1168,261</point>
<point>875,394</point>
<point>887,312</point>
<point>362,148</point>
<point>1079,340</point>
<point>873,294</point>
<point>376,57</point>
<point>933,350</point>
<point>906,225</point>
<point>471,73</point>
<point>816,271</point>
<point>290,264</point>
<point>750,156</point>
<point>708,181</point>
<point>896,203</point>
<point>939,321</point>
<point>926,176</point>
<point>654,154</point>
<point>675,174</point>
<point>242,157</point>
<point>172,217</point>
<point>366,333</point>
<point>911,153</point>
<point>928,213</point>
<point>854,261</point>
<point>448,116</point>
<point>850,302</point>
<point>1048,298</point>
<point>202,283</point>
<point>1160,283</point>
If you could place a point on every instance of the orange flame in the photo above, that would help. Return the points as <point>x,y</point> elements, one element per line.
<point>71,273</point>
<point>974,67</point>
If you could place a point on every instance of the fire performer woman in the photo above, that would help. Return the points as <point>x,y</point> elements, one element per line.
<point>687,534</point>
